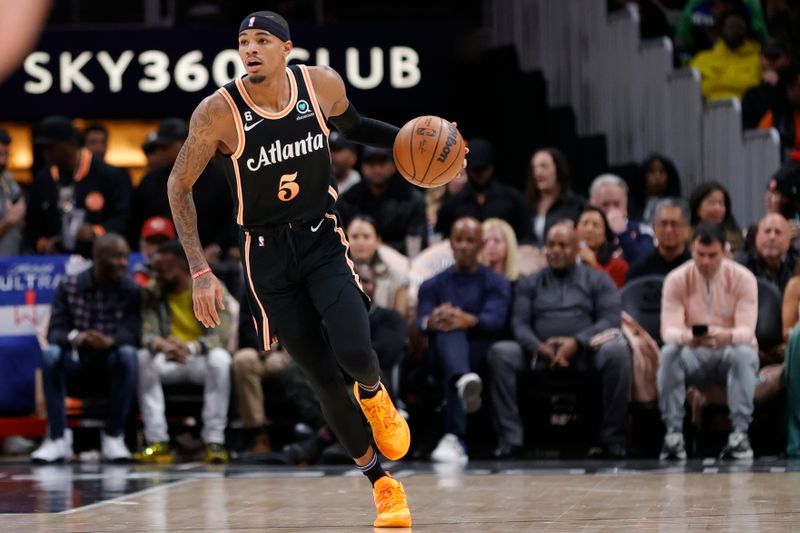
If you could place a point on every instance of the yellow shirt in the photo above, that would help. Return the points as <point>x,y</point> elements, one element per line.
<point>183,323</point>
<point>729,73</point>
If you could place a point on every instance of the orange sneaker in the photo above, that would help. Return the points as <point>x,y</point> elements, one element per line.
<point>390,499</point>
<point>389,429</point>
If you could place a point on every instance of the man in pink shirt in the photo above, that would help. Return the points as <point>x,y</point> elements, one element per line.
<point>708,320</point>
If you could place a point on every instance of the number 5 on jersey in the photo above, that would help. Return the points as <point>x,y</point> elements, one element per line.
<point>287,188</point>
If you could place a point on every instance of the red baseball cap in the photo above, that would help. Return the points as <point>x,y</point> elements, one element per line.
<point>155,226</point>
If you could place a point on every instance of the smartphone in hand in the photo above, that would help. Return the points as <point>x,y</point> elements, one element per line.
<point>699,330</point>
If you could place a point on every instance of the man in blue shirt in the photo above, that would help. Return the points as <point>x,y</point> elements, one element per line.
<point>462,310</point>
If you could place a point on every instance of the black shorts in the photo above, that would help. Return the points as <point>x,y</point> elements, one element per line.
<point>293,273</point>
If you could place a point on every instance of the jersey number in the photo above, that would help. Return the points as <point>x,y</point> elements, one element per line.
<point>287,188</point>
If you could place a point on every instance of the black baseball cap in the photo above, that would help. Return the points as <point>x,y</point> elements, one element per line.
<point>169,131</point>
<point>54,128</point>
<point>337,142</point>
<point>481,153</point>
<point>371,152</point>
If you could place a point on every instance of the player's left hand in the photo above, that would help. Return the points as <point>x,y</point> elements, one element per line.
<point>206,296</point>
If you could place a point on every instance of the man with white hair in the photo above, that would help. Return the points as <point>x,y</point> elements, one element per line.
<point>609,192</point>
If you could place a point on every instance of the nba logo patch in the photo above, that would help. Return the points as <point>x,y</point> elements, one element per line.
<point>252,21</point>
<point>261,241</point>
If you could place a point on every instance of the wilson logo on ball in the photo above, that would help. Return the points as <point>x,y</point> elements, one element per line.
<point>448,143</point>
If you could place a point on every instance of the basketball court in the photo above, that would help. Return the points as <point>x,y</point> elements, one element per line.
<point>552,496</point>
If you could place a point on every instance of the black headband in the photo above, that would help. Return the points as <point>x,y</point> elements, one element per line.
<point>263,23</point>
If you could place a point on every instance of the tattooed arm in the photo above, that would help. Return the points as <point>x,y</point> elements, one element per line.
<point>204,136</point>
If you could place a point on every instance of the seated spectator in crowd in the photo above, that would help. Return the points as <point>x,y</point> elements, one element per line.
<point>710,202</point>
<point>733,64</point>
<point>785,112</point>
<point>92,337</point>
<point>343,160</point>
<point>211,195</point>
<point>484,196</point>
<point>387,328</point>
<point>177,349</point>
<point>783,194</point>
<point>776,56</point>
<point>700,23</point>
<point>548,193</point>
<point>557,313</point>
<point>595,238</point>
<point>773,258</point>
<point>461,310</point>
<point>671,226</point>
<point>610,193</point>
<point>391,283</point>
<point>95,139</point>
<point>396,206</point>
<point>720,296</point>
<point>75,198</point>
<point>155,232</point>
<point>12,204</point>
<point>659,180</point>
<point>499,251</point>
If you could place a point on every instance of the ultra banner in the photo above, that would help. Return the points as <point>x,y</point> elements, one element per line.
<point>166,72</point>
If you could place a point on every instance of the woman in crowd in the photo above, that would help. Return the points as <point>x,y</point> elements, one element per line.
<point>391,282</point>
<point>548,192</point>
<point>710,202</point>
<point>500,248</point>
<point>596,239</point>
<point>659,180</point>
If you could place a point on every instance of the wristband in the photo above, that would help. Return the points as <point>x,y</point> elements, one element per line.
<point>200,272</point>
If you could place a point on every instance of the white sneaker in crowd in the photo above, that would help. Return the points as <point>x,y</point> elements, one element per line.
<point>54,450</point>
<point>450,450</point>
<point>113,449</point>
<point>469,388</point>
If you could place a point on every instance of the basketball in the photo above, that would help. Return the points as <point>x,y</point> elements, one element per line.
<point>429,151</point>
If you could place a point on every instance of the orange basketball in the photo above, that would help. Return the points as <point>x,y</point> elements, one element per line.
<point>429,151</point>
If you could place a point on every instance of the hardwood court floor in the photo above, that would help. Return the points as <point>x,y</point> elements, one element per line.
<point>512,500</point>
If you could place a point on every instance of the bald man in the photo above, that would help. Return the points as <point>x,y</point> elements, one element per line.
<point>566,315</point>
<point>93,333</point>
<point>773,257</point>
<point>462,311</point>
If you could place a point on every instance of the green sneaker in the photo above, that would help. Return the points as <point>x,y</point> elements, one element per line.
<point>216,454</point>
<point>156,453</point>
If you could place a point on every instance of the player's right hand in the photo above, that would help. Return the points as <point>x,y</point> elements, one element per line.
<point>206,295</point>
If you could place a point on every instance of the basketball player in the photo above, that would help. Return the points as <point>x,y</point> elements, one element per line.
<point>270,126</point>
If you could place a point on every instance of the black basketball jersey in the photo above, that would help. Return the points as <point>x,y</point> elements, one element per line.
<point>280,172</point>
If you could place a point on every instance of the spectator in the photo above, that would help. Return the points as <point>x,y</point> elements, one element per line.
<point>95,139</point>
<point>773,258</point>
<point>710,202</point>
<point>549,194</point>
<point>92,337</point>
<point>595,238</point>
<point>391,283</point>
<point>435,198</point>
<point>610,193</point>
<point>721,297</point>
<point>156,157</point>
<point>387,328</point>
<point>785,112</point>
<point>500,248</point>
<point>783,196</point>
<point>558,314</point>
<point>155,232</point>
<point>671,226</point>
<point>396,206</point>
<point>75,198</point>
<point>343,161</point>
<point>733,65</point>
<point>12,204</point>
<point>179,350</point>
<point>484,197</point>
<point>701,23</point>
<point>659,180</point>
<point>756,102</point>
<point>461,310</point>
<point>211,196</point>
